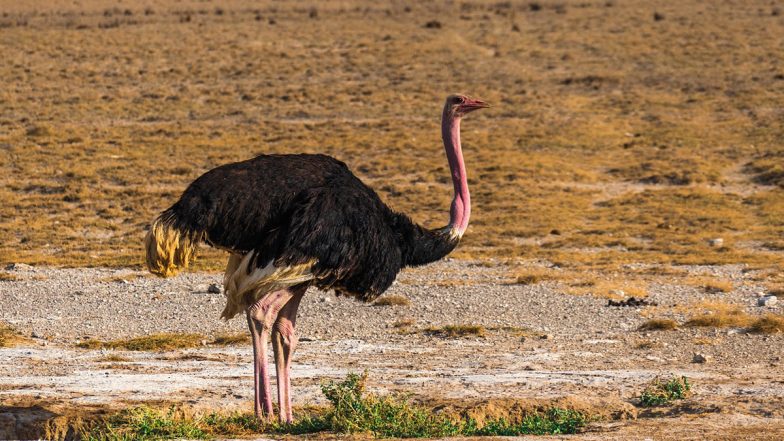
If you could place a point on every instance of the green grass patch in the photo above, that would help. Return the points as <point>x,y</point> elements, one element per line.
<point>660,392</point>
<point>351,411</point>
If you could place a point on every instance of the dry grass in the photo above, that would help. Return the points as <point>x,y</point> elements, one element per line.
<point>658,325</point>
<point>231,339</point>
<point>115,358</point>
<point>648,344</point>
<point>456,331</point>
<point>392,300</point>
<point>404,323</point>
<point>705,341</point>
<point>769,324</point>
<point>155,342</point>
<point>10,337</point>
<point>125,278</point>
<point>166,342</point>
<point>609,289</point>
<point>721,315</point>
<point>709,285</point>
<point>595,163</point>
<point>8,277</point>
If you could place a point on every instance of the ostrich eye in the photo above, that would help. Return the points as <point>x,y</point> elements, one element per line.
<point>460,100</point>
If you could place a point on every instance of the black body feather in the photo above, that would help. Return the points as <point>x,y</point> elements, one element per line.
<point>292,209</point>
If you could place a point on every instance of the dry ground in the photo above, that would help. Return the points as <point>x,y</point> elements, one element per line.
<point>489,345</point>
<point>625,137</point>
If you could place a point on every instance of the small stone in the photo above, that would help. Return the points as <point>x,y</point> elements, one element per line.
<point>35,335</point>
<point>717,242</point>
<point>546,336</point>
<point>768,301</point>
<point>214,289</point>
<point>699,358</point>
<point>325,300</point>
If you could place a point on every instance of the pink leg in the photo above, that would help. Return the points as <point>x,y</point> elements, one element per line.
<point>261,316</point>
<point>284,341</point>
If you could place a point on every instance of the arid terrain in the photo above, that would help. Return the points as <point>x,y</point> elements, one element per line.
<point>634,148</point>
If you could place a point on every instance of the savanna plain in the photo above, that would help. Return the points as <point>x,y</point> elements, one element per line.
<point>634,149</point>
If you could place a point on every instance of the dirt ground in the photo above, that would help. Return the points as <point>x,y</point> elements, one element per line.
<point>633,148</point>
<point>541,345</point>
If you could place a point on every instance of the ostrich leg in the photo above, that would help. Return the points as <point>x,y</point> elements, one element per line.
<point>261,316</point>
<point>284,341</point>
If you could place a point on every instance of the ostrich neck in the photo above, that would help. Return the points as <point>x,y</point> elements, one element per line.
<point>461,204</point>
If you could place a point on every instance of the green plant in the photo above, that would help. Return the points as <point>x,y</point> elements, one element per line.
<point>660,392</point>
<point>145,423</point>
<point>554,421</point>
<point>352,410</point>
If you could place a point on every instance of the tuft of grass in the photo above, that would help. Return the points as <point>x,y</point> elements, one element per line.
<point>351,410</point>
<point>145,423</point>
<point>658,325</point>
<point>404,323</point>
<point>231,339</point>
<point>532,278</point>
<point>154,342</point>
<point>711,286</point>
<point>115,358</point>
<point>769,324</point>
<point>392,301</point>
<point>10,337</point>
<point>8,277</point>
<point>456,331</point>
<point>722,315</point>
<point>660,391</point>
<point>647,344</point>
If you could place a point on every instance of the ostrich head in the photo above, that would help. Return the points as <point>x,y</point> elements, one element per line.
<point>459,105</point>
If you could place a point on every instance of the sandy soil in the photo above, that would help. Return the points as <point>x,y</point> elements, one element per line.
<point>563,347</point>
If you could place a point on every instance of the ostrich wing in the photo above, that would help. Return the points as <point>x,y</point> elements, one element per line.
<point>346,230</point>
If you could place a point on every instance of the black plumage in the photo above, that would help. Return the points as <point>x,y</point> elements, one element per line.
<point>292,209</point>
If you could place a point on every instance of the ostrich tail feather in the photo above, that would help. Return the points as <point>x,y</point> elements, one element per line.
<point>169,249</point>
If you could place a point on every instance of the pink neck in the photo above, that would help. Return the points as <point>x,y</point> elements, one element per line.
<point>461,204</point>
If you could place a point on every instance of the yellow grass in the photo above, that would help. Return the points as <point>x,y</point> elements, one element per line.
<point>404,323</point>
<point>611,289</point>
<point>166,342</point>
<point>8,277</point>
<point>710,285</point>
<point>769,324</point>
<point>231,339</point>
<point>456,331</point>
<point>392,300</point>
<point>10,337</point>
<point>586,159</point>
<point>115,358</point>
<point>155,342</point>
<point>658,325</point>
<point>721,315</point>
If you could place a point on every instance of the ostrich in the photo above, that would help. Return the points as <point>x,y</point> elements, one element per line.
<point>294,221</point>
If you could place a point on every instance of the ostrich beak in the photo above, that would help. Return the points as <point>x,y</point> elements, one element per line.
<point>470,106</point>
